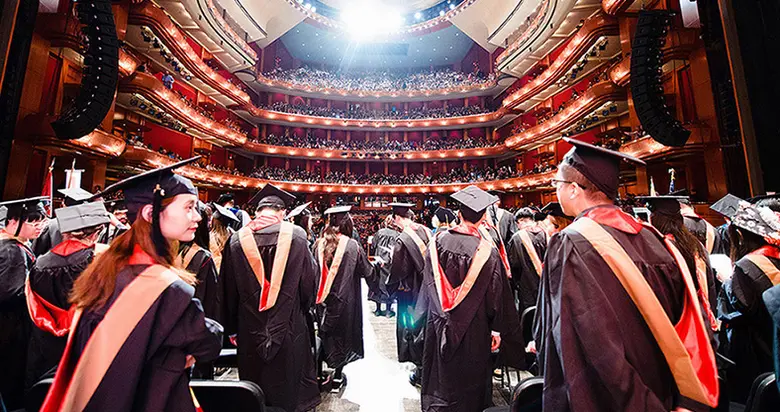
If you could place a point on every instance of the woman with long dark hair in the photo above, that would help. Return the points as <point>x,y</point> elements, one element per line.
<point>137,328</point>
<point>221,228</point>
<point>195,257</point>
<point>342,262</point>
<point>755,238</point>
<point>301,217</point>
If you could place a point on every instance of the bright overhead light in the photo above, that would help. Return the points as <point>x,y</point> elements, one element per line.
<point>441,12</point>
<point>418,15</point>
<point>369,19</point>
<point>313,9</point>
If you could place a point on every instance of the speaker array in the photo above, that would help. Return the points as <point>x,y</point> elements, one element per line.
<point>646,84</point>
<point>99,80</point>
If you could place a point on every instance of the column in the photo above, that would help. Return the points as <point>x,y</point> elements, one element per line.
<point>264,130</point>
<point>287,163</point>
<point>386,168</point>
<point>349,135</point>
<point>387,137</point>
<point>406,136</point>
<point>348,168</point>
<point>327,135</point>
<point>406,170</point>
<point>308,165</point>
<point>367,171</point>
<point>465,102</point>
<point>287,98</point>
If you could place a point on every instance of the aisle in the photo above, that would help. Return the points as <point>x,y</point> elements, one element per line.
<point>376,383</point>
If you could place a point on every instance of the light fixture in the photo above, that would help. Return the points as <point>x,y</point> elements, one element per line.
<point>418,15</point>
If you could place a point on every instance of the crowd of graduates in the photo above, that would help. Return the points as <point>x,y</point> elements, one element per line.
<point>122,302</point>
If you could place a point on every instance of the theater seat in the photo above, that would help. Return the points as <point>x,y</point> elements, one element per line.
<point>35,397</point>
<point>235,396</point>
<point>764,396</point>
<point>526,397</point>
<point>228,358</point>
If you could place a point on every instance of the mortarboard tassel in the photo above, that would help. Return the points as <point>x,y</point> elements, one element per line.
<point>160,244</point>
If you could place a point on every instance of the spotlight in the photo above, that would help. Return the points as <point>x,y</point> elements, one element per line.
<point>418,16</point>
<point>452,6</point>
<point>441,13</point>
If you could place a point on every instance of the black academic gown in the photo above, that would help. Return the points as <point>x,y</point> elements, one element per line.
<point>724,240</point>
<point>109,234</point>
<point>504,221</point>
<point>16,260</point>
<point>772,301</point>
<point>341,314</point>
<point>52,277</point>
<point>148,373</point>
<point>274,346</point>
<point>382,246</point>
<point>698,226</point>
<point>525,280</point>
<point>406,275</point>
<point>50,237</point>
<point>207,289</point>
<point>457,365</point>
<point>595,349</point>
<point>749,326</point>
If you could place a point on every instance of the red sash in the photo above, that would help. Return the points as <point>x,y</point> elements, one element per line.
<point>759,257</point>
<point>77,380</point>
<point>450,297</point>
<point>46,316</point>
<point>269,290</point>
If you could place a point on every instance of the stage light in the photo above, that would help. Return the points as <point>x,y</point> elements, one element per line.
<point>418,15</point>
<point>368,20</point>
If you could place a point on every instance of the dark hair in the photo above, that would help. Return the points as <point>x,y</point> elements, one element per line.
<point>470,215</point>
<point>688,244</point>
<point>573,175</point>
<point>524,213</point>
<point>336,225</point>
<point>275,208</point>
<point>202,233</point>
<point>303,220</point>
<point>743,242</point>
<point>409,214</point>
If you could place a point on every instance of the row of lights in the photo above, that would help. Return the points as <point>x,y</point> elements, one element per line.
<point>544,129</point>
<point>475,118</point>
<point>328,153</point>
<point>229,30</point>
<point>540,11</point>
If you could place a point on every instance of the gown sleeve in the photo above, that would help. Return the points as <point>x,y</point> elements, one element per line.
<point>229,297</point>
<point>746,297</point>
<point>13,271</point>
<point>502,318</point>
<point>211,296</point>
<point>309,280</point>
<point>197,335</point>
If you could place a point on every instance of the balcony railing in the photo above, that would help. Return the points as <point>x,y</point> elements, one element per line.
<point>520,39</point>
<point>151,88</point>
<point>590,100</point>
<point>646,148</point>
<point>225,26</point>
<point>148,159</point>
<point>595,27</point>
<point>96,144</point>
<point>338,154</point>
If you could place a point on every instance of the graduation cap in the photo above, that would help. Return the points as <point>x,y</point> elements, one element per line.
<point>297,211</point>
<point>225,212</point>
<point>400,208</point>
<point>337,213</point>
<point>599,165</point>
<point>3,213</point>
<point>496,192</point>
<point>525,213</point>
<point>728,205</point>
<point>81,216</point>
<point>271,195</point>
<point>665,205</point>
<point>22,209</point>
<point>553,209</point>
<point>445,215</point>
<point>769,200</point>
<point>474,198</point>
<point>760,220</point>
<point>686,200</point>
<point>224,198</point>
<point>115,204</point>
<point>75,195</point>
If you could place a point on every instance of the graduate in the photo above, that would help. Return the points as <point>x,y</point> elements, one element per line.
<point>222,222</point>
<point>755,247</point>
<point>381,248</point>
<point>406,275</point>
<point>501,219</point>
<point>24,222</point>
<point>443,219</point>
<point>51,235</point>
<point>696,224</point>
<point>469,313</point>
<point>268,280</point>
<point>555,220</point>
<point>137,327</point>
<point>526,250</point>
<point>341,262</point>
<point>119,223</point>
<point>301,217</point>
<point>600,347</point>
<point>195,257</point>
<point>51,281</point>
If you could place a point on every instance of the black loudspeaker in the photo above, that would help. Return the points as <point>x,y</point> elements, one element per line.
<point>646,87</point>
<point>99,80</point>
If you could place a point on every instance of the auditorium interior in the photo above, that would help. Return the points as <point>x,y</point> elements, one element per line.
<point>371,102</point>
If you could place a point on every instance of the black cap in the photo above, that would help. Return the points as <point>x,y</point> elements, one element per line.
<point>525,213</point>
<point>115,204</point>
<point>20,209</point>
<point>474,198</point>
<point>224,198</point>
<point>445,215</point>
<point>599,165</point>
<point>139,190</point>
<point>271,195</point>
<point>665,205</point>
<point>760,220</point>
<point>728,205</point>
<point>553,209</point>
<point>297,211</point>
<point>400,208</point>
<point>496,192</point>
<point>225,212</point>
<point>75,195</point>
<point>81,216</point>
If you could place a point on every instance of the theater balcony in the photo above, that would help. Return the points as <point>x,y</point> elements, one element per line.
<point>593,45</point>
<point>648,149</point>
<point>165,33</point>
<point>591,102</point>
<point>143,158</point>
<point>98,144</point>
<point>400,156</point>
<point>148,87</point>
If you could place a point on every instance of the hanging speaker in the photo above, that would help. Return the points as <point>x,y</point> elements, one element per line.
<point>647,90</point>
<point>99,79</point>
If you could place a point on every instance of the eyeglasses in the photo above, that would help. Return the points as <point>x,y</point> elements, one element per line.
<point>556,182</point>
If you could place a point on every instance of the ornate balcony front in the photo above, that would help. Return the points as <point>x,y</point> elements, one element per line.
<point>646,148</point>
<point>594,28</point>
<point>147,159</point>
<point>585,104</point>
<point>151,88</point>
<point>349,154</point>
<point>97,144</point>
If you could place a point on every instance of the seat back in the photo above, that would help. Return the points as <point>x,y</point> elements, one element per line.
<point>764,395</point>
<point>236,396</point>
<point>527,395</point>
<point>37,394</point>
<point>527,323</point>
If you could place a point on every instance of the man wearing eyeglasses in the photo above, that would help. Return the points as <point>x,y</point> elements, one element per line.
<point>612,294</point>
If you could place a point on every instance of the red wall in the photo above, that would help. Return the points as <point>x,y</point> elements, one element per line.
<point>476,54</point>
<point>157,136</point>
<point>218,156</point>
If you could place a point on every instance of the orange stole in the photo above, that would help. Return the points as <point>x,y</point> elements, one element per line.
<point>450,297</point>
<point>500,246</point>
<point>73,387</point>
<point>525,238</point>
<point>686,345</point>
<point>328,275</point>
<point>270,290</point>
<point>765,265</point>
<point>417,240</point>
